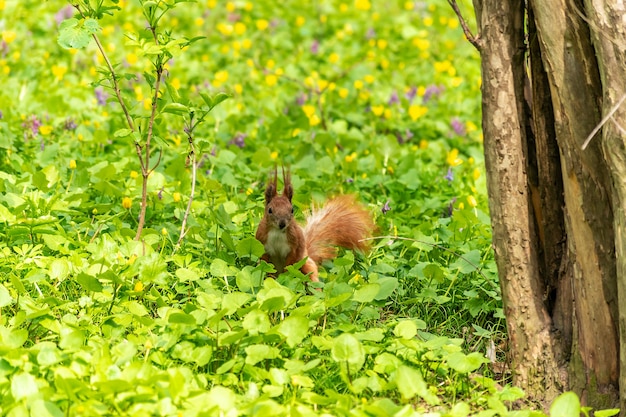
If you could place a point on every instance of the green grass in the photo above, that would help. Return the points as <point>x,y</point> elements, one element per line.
<point>381,100</point>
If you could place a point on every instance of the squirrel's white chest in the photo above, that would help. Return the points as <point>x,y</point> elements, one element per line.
<point>277,246</point>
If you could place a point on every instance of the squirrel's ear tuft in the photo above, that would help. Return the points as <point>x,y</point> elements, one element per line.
<point>288,191</point>
<point>272,185</point>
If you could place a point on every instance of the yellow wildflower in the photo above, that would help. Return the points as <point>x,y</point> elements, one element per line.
<point>369,78</point>
<point>127,202</point>
<point>59,71</point>
<point>343,92</point>
<point>8,36</point>
<point>417,111</point>
<point>300,21</point>
<point>358,84</point>
<point>220,78</point>
<point>262,24</point>
<point>364,5</point>
<point>271,80</point>
<point>378,110</point>
<point>351,157</point>
<point>381,43</point>
<point>134,174</point>
<point>453,158</point>
<point>73,164</point>
<point>274,155</point>
<point>139,286</point>
<point>176,197</point>
<point>45,130</point>
<point>240,28</point>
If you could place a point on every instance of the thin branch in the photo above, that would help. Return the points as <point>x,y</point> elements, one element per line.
<point>618,126</point>
<point>473,39</point>
<point>194,170</point>
<point>603,122</point>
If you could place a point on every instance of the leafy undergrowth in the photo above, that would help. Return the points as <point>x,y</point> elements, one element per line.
<point>378,99</point>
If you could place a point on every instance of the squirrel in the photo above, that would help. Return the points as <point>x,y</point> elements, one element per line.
<point>341,222</point>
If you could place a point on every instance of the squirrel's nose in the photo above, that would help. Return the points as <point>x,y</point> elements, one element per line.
<point>282,224</point>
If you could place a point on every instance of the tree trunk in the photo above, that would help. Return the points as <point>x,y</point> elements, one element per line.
<point>608,26</point>
<point>545,88</point>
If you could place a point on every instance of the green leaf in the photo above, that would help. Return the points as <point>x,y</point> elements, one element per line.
<point>5,297</point>
<point>76,34</point>
<point>176,108</point>
<point>232,301</point>
<point>465,364</point>
<point>181,318</point>
<point>219,268</point>
<point>294,328</point>
<point>187,275</point>
<point>347,349</point>
<point>467,263</point>
<point>256,321</point>
<point>366,293</point>
<point>565,405</point>
<point>88,282</point>
<point>406,329</point>
<point>250,247</point>
<point>23,385</point>
<point>59,269</point>
<point>122,133</point>
<point>606,413</point>
<point>410,383</point>
<point>258,353</point>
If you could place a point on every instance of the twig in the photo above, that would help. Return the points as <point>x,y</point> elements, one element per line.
<point>603,122</point>
<point>473,39</point>
<point>194,170</point>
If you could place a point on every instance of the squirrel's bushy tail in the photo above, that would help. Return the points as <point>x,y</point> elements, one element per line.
<point>341,222</point>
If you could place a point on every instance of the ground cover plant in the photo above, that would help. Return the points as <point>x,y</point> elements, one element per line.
<point>135,140</point>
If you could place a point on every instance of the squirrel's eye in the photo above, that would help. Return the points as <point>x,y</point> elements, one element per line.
<point>269,210</point>
<point>292,210</point>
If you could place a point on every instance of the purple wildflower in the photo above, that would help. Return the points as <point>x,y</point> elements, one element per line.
<point>70,124</point>
<point>1,114</point>
<point>239,140</point>
<point>101,96</point>
<point>450,175</point>
<point>349,180</point>
<point>408,135</point>
<point>63,14</point>
<point>432,91</point>
<point>385,208</point>
<point>301,99</point>
<point>370,34</point>
<point>393,99</point>
<point>451,207</point>
<point>457,126</point>
<point>315,47</point>
<point>410,95</point>
<point>32,123</point>
<point>160,194</point>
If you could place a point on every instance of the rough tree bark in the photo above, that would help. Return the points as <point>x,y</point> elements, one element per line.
<point>551,70</point>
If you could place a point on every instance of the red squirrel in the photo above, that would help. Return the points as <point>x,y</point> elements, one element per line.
<point>341,222</point>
